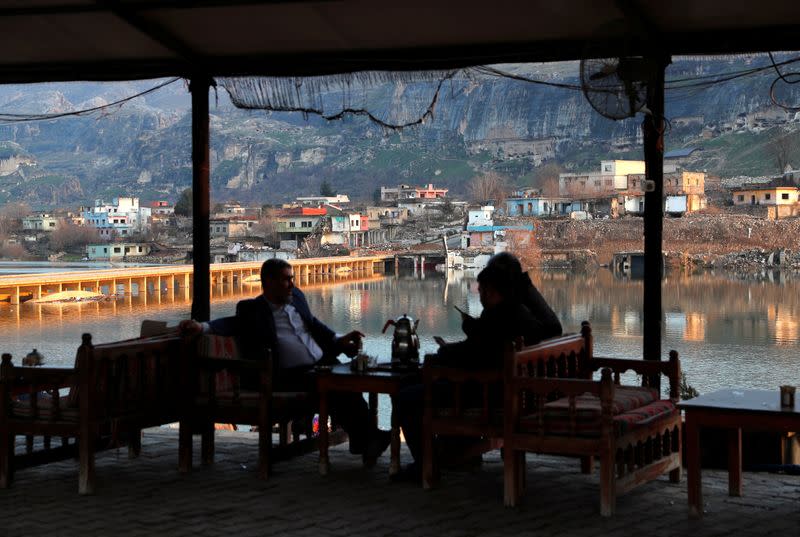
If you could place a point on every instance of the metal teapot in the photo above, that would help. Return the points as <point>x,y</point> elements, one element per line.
<point>405,343</point>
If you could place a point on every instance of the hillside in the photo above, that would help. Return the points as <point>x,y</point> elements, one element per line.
<point>481,124</point>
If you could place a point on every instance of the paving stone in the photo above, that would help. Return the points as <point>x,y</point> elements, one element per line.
<point>148,496</point>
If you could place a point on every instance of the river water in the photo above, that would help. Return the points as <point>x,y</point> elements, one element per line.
<point>729,331</point>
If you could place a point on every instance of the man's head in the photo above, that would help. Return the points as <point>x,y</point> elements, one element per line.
<point>497,281</point>
<point>494,285</point>
<point>277,281</point>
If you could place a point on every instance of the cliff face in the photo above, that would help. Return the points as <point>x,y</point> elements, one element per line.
<point>480,124</point>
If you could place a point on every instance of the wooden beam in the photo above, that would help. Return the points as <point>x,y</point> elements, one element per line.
<point>201,255</point>
<point>654,213</point>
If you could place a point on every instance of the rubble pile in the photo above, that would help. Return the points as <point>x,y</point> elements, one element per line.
<point>737,242</point>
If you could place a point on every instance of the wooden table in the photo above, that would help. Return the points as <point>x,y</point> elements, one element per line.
<point>733,409</point>
<point>382,379</point>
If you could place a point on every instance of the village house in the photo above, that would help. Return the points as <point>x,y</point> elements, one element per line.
<point>161,208</point>
<point>319,201</point>
<point>780,196</point>
<point>40,222</point>
<point>231,227</point>
<point>120,218</point>
<point>684,192</point>
<point>296,223</point>
<point>407,192</point>
<point>116,250</point>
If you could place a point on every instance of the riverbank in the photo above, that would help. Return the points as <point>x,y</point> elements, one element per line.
<point>732,242</point>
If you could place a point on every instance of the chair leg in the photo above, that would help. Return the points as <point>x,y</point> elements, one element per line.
<point>264,447</point>
<point>522,475</point>
<point>587,465</point>
<point>28,444</point>
<point>608,476</point>
<point>207,443</point>
<point>185,447</point>
<point>135,444</point>
<point>429,470</point>
<point>86,456</point>
<point>510,477</point>
<point>6,454</point>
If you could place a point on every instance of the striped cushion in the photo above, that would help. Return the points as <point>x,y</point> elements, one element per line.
<point>224,347</point>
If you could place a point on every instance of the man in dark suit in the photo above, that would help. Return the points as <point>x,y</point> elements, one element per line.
<point>280,319</point>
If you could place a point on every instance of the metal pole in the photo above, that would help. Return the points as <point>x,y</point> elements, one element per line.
<point>654,213</point>
<point>201,256</point>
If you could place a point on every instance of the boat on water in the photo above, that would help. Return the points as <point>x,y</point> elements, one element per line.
<point>69,297</point>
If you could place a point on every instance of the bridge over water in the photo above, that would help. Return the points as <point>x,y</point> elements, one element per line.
<point>124,280</point>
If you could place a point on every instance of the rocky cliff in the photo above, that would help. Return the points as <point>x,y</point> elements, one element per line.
<point>481,123</point>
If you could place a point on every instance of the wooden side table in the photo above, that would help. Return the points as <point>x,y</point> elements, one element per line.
<point>733,409</point>
<point>381,379</point>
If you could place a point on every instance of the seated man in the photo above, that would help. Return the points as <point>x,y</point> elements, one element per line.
<point>507,296</point>
<point>280,319</point>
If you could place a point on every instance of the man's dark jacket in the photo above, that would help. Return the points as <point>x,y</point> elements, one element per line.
<point>254,327</point>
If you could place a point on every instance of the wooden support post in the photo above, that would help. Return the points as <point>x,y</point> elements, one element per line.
<point>653,127</point>
<point>201,255</point>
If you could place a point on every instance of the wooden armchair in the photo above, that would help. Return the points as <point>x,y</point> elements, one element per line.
<point>459,403</point>
<point>634,433</point>
<point>227,389</point>
<point>468,403</point>
<point>115,390</point>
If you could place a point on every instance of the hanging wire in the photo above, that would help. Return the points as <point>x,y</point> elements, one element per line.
<point>782,77</point>
<point>7,117</point>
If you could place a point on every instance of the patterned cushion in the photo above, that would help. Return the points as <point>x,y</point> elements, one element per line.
<point>557,420</point>
<point>643,415</point>
<point>21,408</point>
<point>222,347</point>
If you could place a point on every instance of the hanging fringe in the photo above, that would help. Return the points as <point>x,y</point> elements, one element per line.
<point>333,97</point>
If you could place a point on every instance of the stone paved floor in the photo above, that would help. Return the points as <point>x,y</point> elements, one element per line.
<point>147,496</point>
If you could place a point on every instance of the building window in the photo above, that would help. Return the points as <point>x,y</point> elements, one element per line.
<point>105,250</point>
<point>767,196</point>
<point>116,250</point>
<point>140,248</point>
<point>740,197</point>
<point>292,224</point>
<point>785,196</point>
<point>53,224</point>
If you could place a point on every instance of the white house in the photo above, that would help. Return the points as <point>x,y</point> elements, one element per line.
<point>116,250</point>
<point>40,222</point>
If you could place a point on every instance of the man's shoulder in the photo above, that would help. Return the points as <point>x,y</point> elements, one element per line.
<point>250,304</point>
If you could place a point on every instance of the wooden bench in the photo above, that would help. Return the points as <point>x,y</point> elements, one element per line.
<point>220,392</point>
<point>552,405</point>
<point>114,391</point>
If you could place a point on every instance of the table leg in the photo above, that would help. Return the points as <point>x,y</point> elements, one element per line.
<point>693,478</point>
<point>394,464</point>
<point>324,465</point>
<point>373,408</point>
<point>735,462</point>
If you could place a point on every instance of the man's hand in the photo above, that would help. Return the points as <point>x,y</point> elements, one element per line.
<point>190,327</point>
<point>350,343</point>
<point>439,340</point>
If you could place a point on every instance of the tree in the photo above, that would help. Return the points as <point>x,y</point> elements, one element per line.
<point>325,189</point>
<point>184,205</point>
<point>490,186</point>
<point>68,235</point>
<point>545,179</point>
<point>781,150</point>
<point>11,216</point>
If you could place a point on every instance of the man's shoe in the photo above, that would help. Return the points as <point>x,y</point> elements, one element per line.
<point>377,444</point>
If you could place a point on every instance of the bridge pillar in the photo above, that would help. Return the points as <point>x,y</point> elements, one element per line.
<point>158,285</point>
<point>422,266</point>
<point>37,293</point>
<point>186,281</point>
<point>15,295</point>
<point>97,287</point>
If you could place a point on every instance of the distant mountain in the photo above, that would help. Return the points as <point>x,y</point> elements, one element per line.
<point>481,123</point>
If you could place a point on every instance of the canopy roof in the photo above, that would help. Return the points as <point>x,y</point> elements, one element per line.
<point>48,40</point>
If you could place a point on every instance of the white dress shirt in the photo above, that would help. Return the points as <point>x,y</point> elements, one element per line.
<point>295,346</point>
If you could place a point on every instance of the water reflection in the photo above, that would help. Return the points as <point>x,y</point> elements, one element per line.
<point>728,331</point>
